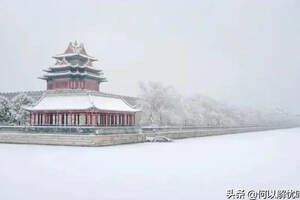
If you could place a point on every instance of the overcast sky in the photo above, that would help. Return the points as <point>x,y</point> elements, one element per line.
<point>243,52</point>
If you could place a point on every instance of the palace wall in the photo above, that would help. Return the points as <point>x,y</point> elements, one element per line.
<point>118,137</point>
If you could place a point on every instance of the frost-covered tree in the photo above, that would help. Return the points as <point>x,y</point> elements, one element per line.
<point>4,110</point>
<point>204,111</point>
<point>19,115</point>
<point>162,105</point>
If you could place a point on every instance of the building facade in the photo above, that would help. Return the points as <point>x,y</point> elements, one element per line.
<point>73,98</point>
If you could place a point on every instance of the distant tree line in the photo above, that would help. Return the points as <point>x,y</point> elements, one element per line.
<point>164,106</point>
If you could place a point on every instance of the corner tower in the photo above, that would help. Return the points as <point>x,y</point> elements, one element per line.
<point>73,70</point>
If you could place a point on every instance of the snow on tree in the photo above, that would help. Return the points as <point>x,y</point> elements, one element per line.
<point>19,115</point>
<point>162,105</point>
<point>205,111</point>
<point>4,110</point>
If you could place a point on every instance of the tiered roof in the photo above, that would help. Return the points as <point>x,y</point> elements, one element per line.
<point>74,63</point>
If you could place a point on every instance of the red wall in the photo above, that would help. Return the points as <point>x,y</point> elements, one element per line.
<point>72,84</point>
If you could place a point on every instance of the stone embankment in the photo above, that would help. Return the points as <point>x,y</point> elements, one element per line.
<point>113,136</point>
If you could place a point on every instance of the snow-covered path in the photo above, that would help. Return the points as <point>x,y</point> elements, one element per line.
<point>199,168</point>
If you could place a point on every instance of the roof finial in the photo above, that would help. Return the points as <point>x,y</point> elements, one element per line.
<point>70,48</point>
<point>82,49</point>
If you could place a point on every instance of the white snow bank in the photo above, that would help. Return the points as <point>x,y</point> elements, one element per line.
<point>202,168</point>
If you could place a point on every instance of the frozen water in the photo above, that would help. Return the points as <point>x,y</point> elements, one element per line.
<point>201,168</point>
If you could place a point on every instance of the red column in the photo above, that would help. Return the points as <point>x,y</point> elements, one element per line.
<point>86,119</point>
<point>56,119</point>
<point>130,118</point>
<point>72,118</point>
<point>117,119</point>
<point>33,118</point>
<point>108,120</point>
<point>94,119</point>
<point>91,119</point>
<point>100,114</point>
<point>59,119</point>
<point>114,117</point>
<point>129,115</point>
<point>45,118</point>
<point>38,118</point>
<point>104,119</point>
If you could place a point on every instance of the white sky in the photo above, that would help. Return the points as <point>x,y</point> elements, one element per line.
<point>243,52</point>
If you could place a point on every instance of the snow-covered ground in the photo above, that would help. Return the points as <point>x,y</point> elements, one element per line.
<point>200,168</point>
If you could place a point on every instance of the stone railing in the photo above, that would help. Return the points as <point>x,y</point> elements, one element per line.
<point>74,130</point>
<point>109,135</point>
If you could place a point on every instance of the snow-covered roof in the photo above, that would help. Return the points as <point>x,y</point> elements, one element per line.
<point>74,54</point>
<point>75,66</point>
<point>37,95</point>
<point>74,74</point>
<point>81,101</point>
<point>85,74</point>
<point>75,49</point>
